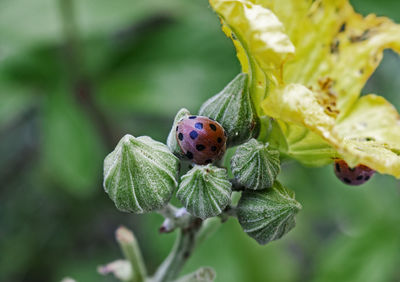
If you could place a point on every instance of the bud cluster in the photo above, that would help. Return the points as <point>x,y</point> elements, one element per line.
<point>141,175</point>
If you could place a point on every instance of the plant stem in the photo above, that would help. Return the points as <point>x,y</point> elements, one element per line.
<point>132,253</point>
<point>184,245</point>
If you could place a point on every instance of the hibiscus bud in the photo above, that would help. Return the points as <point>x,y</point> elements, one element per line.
<point>268,214</point>
<point>233,109</point>
<point>255,166</point>
<point>205,191</point>
<point>140,174</point>
<point>172,143</point>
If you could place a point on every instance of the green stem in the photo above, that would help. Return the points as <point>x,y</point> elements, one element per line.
<point>183,248</point>
<point>132,253</point>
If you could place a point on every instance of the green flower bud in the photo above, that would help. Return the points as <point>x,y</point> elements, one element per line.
<point>267,215</point>
<point>232,108</point>
<point>172,143</point>
<point>140,174</point>
<point>255,166</point>
<point>205,191</point>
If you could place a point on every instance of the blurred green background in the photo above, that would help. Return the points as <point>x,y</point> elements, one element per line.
<point>76,76</point>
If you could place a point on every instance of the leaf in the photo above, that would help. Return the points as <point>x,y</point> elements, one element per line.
<point>71,146</point>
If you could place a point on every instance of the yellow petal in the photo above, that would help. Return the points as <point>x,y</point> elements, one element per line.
<point>372,135</point>
<point>337,49</point>
<point>259,38</point>
<point>369,134</point>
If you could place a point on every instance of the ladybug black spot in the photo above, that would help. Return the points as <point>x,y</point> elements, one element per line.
<point>199,125</point>
<point>337,167</point>
<point>200,147</point>
<point>213,127</point>
<point>192,117</point>
<point>189,155</point>
<point>219,139</point>
<point>213,148</point>
<point>208,161</point>
<point>193,134</point>
<point>180,136</point>
<point>347,180</point>
<point>177,128</point>
<point>359,177</point>
<point>367,177</point>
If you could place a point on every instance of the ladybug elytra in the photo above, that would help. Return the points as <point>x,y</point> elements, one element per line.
<point>352,176</point>
<point>201,139</point>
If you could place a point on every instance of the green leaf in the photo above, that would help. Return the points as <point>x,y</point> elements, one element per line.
<point>255,166</point>
<point>140,174</point>
<point>267,215</point>
<point>205,191</point>
<point>232,108</point>
<point>71,146</point>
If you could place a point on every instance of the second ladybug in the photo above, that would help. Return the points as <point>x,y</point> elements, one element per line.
<point>201,139</point>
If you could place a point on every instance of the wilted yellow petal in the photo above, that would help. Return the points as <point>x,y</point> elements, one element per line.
<point>372,135</point>
<point>260,40</point>
<point>337,49</point>
<point>369,134</point>
<point>373,119</point>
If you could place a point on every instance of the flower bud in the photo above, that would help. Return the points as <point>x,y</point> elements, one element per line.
<point>205,191</point>
<point>255,166</point>
<point>232,108</point>
<point>172,143</point>
<point>267,215</point>
<point>140,174</point>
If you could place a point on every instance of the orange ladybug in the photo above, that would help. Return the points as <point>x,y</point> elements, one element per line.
<point>202,140</point>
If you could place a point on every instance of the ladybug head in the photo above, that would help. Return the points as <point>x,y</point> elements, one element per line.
<point>201,139</point>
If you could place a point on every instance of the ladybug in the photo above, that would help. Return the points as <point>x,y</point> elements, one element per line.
<point>352,176</point>
<point>202,140</point>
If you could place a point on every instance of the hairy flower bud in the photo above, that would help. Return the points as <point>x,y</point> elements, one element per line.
<point>140,174</point>
<point>172,143</point>
<point>232,108</point>
<point>267,215</point>
<point>205,191</point>
<point>255,166</point>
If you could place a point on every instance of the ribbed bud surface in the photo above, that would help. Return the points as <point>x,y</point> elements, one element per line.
<point>140,174</point>
<point>267,215</point>
<point>172,143</point>
<point>232,108</point>
<point>255,166</point>
<point>205,191</point>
